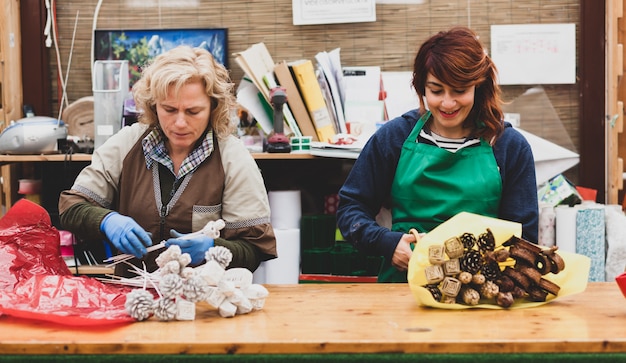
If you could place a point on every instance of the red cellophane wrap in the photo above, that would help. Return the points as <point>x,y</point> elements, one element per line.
<point>35,282</point>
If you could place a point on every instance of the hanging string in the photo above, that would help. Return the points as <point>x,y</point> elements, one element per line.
<point>56,48</point>
<point>64,98</point>
<point>93,31</point>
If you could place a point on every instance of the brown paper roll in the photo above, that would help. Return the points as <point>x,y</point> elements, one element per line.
<point>79,118</point>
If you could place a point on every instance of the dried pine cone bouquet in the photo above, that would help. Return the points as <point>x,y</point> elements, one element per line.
<point>471,269</point>
<point>180,287</point>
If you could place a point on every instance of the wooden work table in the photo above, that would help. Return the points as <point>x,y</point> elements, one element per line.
<point>347,318</point>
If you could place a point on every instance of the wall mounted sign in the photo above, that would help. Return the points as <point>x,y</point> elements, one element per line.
<point>534,53</point>
<point>308,12</point>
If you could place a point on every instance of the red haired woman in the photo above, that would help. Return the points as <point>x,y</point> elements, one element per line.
<point>455,153</point>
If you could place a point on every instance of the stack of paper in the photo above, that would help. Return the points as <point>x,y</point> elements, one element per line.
<point>331,74</point>
<point>364,107</point>
<point>335,151</point>
<point>258,65</point>
<point>311,92</point>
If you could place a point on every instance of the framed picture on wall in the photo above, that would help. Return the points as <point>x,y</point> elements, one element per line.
<point>140,46</point>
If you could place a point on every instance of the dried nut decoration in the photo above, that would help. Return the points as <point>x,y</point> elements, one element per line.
<point>180,287</point>
<point>466,269</point>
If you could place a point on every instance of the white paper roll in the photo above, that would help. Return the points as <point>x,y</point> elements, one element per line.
<point>286,268</point>
<point>286,209</point>
<point>566,228</point>
<point>259,275</point>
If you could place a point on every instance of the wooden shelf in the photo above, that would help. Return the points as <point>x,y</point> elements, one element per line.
<point>281,156</point>
<point>8,159</point>
<point>10,174</point>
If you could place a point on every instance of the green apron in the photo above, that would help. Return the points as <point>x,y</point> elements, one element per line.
<point>432,185</point>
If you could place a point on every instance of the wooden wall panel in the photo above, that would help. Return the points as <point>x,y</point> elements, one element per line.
<point>36,79</point>
<point>10,62</point>
<point>621,92</point>
<point>592,70</point>
<point>615,106</point>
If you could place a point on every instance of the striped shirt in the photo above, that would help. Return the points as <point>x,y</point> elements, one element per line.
<point>452,145</point>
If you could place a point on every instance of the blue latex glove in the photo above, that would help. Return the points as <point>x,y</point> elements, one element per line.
<point>125,234</point>
<point>196,245</point>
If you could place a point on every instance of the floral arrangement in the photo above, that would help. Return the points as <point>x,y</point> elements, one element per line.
<point>179,287</point>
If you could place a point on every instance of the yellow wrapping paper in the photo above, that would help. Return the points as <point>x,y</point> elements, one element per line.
<point>572,280</point>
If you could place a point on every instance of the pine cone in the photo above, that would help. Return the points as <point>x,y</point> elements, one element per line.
<point>172,253</point>
<point>469,240</point>
<point>139,304</point>
<point>195,289</point>
<point>470,296</point>
<point>171,267</point>
<point>434,290</point>
<point>220,254</point>
<point>486,241</point>
<point>171,286</point>
<point>489,290</point>
<point>491,270</point>
<point>471,261</point>
<point>165,309</point>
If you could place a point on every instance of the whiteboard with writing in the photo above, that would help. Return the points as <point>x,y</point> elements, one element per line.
<point>534,53</point>
<point>307,12</point>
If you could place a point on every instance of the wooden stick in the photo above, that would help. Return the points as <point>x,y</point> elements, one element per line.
<point>125,257</point>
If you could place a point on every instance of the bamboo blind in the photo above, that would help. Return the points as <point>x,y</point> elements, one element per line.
<point>390,42</point>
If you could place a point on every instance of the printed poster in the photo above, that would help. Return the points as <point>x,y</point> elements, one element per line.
<point>534,53</point>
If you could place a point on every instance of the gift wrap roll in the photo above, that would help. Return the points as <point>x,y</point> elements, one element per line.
<point>286,268</point>
<point>286,209</point>
<point>590,239</point>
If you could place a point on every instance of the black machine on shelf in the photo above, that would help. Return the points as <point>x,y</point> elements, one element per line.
<point>277,142</point>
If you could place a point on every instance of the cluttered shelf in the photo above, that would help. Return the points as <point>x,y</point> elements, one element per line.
<point>9,159</point>
<point>11,172</point>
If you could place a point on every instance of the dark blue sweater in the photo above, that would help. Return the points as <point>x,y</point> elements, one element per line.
<point>368,186</point>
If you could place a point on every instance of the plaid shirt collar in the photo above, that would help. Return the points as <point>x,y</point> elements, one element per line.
<point>154,150</point>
